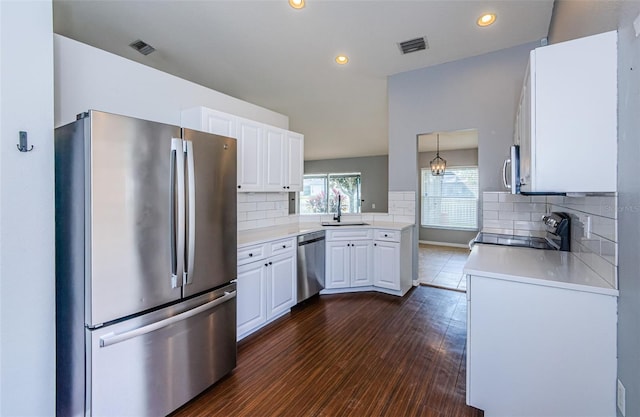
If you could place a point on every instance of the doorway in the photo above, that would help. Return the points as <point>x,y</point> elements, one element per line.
<point>447,205</point>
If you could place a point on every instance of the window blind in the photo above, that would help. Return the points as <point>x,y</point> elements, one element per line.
<point>450,201</point>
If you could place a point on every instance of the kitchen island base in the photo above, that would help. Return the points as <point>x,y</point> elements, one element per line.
<point>536,350</point>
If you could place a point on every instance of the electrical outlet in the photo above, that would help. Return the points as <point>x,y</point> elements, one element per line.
<point>373,205</point>
<point>621,398</point>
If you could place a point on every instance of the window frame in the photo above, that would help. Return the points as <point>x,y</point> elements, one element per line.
<point>328,195</point>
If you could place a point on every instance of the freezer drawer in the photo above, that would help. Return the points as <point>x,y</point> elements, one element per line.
<point>147,367</point>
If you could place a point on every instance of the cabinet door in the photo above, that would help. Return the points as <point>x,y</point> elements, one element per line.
<point>295,160</point>
<point>252,310</point>
<point>281,285</point>
<point>210,121</point>
<point>559,352</point>
<point>219,123</point>
<point>274,160</point>
<point>386,265</point>
<point>250,156</point>
<point>361,263</point>
<point>524,132</point>
<point>337,265</point>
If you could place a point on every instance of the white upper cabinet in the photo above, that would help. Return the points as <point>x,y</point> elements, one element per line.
<point>211,121</point>
<point>567,118</point>
<point>269,158</point>
<point>274,160</point>
<point>295,156</point>
<point>250,155</point>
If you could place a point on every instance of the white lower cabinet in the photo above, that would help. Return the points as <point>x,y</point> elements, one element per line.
<point>369,259</point>
<point>281,277</point>
<point>252,307</point>
<point>535,350</point>
<point>349,264</point>
<point>386,259</point>
<point>266,284</point>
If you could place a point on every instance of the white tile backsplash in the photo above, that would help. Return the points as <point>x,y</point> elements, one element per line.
<point>257,210</point>
<point>507,214</point>
<point>513,214</point>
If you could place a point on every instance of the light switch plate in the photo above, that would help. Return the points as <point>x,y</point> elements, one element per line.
<point>636,25</point>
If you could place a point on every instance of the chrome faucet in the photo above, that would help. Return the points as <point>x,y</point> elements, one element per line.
<point>339,214</point>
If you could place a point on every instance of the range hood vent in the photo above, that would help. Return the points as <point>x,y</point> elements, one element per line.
<point>413,45</point>
<point>142,47</point>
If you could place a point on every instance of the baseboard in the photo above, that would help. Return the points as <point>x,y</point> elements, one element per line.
<point>451,245</point>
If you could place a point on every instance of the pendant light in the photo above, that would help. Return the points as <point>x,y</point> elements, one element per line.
<point>438,164</point>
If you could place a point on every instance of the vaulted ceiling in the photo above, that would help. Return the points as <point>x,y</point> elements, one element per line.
<point>269,54</point>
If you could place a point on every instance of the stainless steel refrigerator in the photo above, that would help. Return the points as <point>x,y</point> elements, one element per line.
<point>145,256</point>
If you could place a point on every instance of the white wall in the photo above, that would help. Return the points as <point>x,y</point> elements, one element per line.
<point>629,206</point>
<point>480,93</point>
<point>475,93</point>
<point>90,78</point>
<point>27,293</point>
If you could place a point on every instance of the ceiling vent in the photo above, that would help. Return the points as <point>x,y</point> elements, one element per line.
<point>413,45</point>
<point>142,47</point>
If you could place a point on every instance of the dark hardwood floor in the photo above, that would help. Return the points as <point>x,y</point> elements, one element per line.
<point>362,354</point>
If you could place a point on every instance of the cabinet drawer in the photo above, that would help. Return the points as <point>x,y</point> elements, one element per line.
<point>251,253</point>
<point>389,235</point>
<point>349,234</point>
<point>282,246</point>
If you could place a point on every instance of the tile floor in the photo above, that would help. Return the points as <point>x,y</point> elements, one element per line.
<point>441,266</point>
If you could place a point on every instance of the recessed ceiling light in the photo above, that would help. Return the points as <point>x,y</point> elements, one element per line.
<point>342,59</point>
<point>486,19</point>
<point>296,4</point>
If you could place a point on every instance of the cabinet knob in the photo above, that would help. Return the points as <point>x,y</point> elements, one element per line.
<point>250,255</point>
<point>266,264</point>
<point>284,246</point>
<point>375,244</point>
<point>239,186</point>
<point>270,263</point>
<point>386,235</point>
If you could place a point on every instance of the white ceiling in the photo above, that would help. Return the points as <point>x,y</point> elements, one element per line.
<point>269,54</point>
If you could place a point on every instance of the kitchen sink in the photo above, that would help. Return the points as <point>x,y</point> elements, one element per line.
<point>344,224</point>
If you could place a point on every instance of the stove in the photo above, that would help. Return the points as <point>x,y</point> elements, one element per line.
<point>558,235</point>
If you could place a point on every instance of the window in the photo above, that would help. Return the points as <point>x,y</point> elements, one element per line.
<point>450,201</point>
<point>320,193</point>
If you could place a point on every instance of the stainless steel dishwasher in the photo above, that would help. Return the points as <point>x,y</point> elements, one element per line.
<point>310,264</point>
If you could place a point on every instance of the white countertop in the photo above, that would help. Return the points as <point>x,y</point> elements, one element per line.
<point>256,236</point>
<point>535,266</point>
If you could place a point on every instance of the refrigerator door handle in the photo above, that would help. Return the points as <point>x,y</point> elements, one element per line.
<point>177,212</point>
<point>112,338</point>
<point>191,216</point>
